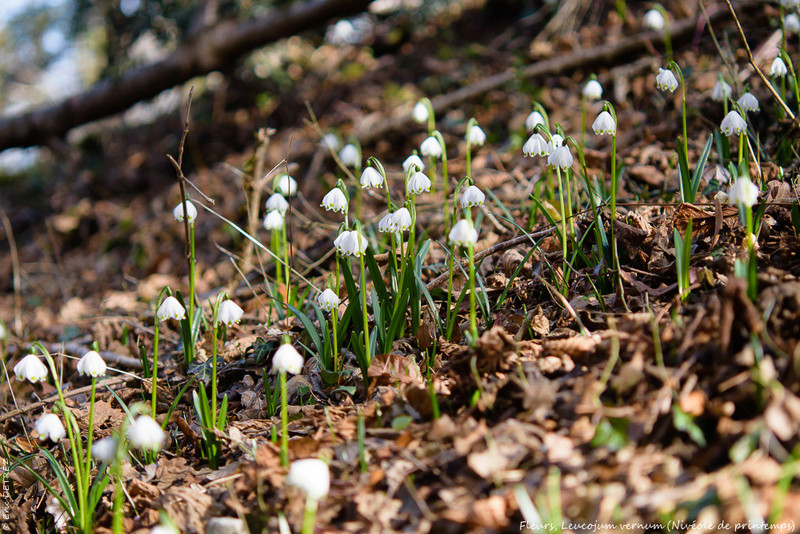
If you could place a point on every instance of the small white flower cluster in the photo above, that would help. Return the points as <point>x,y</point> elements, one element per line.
<point>276,206</point>
<point>350,243</point>
<point>395,223</point>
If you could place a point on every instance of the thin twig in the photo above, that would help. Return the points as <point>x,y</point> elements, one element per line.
<point>12,245</point>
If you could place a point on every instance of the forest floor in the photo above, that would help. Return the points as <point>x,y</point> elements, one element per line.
<point>595,407</point>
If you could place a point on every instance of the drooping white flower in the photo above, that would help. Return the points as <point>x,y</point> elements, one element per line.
<point>604,124</point>
<point>104,450</point>
<point>312,476</point>
<point>721,91</point>
<point>92,364</point>
<point>555,141</point>
<point>145,433</point>
<point>536,145</point>
<point>744,192</point>
<point>328,300</point>
<point>60,516</point>
<point>751,241</point>
<point>472,197</point>
<point>431,147</point>
<point>161,529</point>
<point>748,102</point>
<point>414,160</point>
<point>371,178</point>
<point>534,119</point>
<point>276,202</point>
<point>733,123</point>
<point>654,20</point>
<point>335,201</point>
<point>49,427</point>
<point>31,368</point>
<point>463,233</point>
<point>420,113</point>
<point>592,90</point>
<point>778,68</point>
<point>352,244</point>
<point>287,360</point>
<point>791,23</point>
<point>2,331</point>
<point>666,80</point>
<point>560,157</point>
<point>273,220</point>
<point>171,309</point>
<point>229,312</point>
<point>191,211</point>
<point>418,183</point>
<point>476,136</point>
<point>285,185</point>
<point>386,224</point>
<point>349,156</point>
<point>401,220</point>
<point>331,141</point>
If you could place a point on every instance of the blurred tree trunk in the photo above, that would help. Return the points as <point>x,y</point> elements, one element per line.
<point>215,48</point>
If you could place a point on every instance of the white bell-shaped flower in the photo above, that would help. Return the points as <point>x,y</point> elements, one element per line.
<point>744,192</point>
<point>472,197</point>
<point>536,145</point>
<point>560,157</point>
<point>721,91</point>
<point>285,185</point>
<point>3,332</point>
<point>401,220</point>
<point>31,368</point>
<point>331,141</point>
<point>229,312</point>
<point>604,124</point>
<point>170,309</point>
<point>534,119</point>
<point>666,80</point>
<point>92,364</point>
<point>145,433</point>
<point>418,183</point>
<point>791,23</point>
<point>352,244</point>
<point>49,426</point>
<point>654,20</point>
<point>273,220</point>
<point>287,360</point>
<point>748,102</point>
<point>463,233</point>
<point>420,113</point>
<point>593,90</point>
<point>778,68</point>
<point>431,147</point>
<point>104,450</point>
<point>335,201</point>
<point>555,141</point>
<point>312,476</point>
<point>276,202</point>
<point>328,300</point>
<point>60,516</point>
<point>414,160</point>
<point>386,224</point>
<point>191,211</point>
<point>733,123</point>
<point>371,178</point>
<point>349,156</point>
<point>476,136</point>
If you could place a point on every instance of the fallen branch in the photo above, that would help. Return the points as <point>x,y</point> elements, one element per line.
<point>213,49</point>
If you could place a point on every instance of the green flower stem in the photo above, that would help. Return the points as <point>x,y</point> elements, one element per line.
<point>450,266</point>
<point>583,120</point>
<point>119,494</point>
<point>154,372</point>
<point>286,270</point>
<point>284,422</point>
<point>473,321</point>
<point>667,42</point>
<point>364,301</point>
<point>445,183</point>
<point>90,431</point>
<point>741,150</point>
<point>334,327</point>
<point>192,268</point>
<point>214,371</point>
<point>276,250</point>
<point>309,516</point>
<point>563,227</point>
